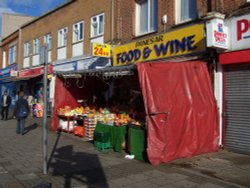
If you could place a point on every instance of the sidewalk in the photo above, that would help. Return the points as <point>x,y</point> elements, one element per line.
<point>74,163</point>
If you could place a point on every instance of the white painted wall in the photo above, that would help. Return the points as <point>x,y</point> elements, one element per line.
<point>218,89</point>
<point>77,49</point>
<point>36,60</point>
<point>26,62</point>
<point>61,53</point>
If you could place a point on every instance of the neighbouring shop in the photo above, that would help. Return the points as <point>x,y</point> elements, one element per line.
<point>31,82</point>
<point>236,79</point>
<point>169,104</point>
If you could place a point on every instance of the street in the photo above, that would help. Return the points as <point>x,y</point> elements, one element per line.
<point>75,163</point>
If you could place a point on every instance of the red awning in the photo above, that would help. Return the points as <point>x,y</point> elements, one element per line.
<point>182,113</point>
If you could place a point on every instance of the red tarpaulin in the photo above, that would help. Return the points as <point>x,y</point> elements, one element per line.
<point>182,116</point>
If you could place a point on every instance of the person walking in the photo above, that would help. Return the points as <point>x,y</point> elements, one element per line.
<point>5,101</point>
<point>21,112</point>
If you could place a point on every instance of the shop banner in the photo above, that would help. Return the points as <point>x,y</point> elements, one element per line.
<point>101,50</point>
<point>34,72</point>
<point>6,71</point>
<point>239,32</point>
<point>64,67</point>
<point>175,43</point>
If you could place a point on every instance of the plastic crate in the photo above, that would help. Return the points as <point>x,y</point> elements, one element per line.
<point>102,136</point>
<point>103,146</point>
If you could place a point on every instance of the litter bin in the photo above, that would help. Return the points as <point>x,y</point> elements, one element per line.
<point>138,142</point>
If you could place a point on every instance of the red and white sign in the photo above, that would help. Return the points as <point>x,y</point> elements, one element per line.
<point>34,72</point>
<point>217,34</point>
<point>239,32</point>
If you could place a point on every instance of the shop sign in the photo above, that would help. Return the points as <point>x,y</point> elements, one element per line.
<point>13,73</point>
<point>240,32</point>
<point>101,50</point>
<point>175,43</point>
<point>34,72</point>
<point>217,34</point>
<point>6,71</point>
<point>70,66</point>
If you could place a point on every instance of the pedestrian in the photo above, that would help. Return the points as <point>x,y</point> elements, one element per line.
<point>5,101</point>
<point>21,112</point>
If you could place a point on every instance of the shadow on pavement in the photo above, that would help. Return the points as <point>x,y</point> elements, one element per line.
<point>30,128</point>
<point>77,168</point>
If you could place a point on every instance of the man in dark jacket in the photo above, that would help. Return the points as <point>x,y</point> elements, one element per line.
<point>21,112</point>
<point>5,102</point>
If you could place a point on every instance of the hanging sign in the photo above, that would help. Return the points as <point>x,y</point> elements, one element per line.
<point>217,34</point>
<point>175,43</point>
<point>101,50</point>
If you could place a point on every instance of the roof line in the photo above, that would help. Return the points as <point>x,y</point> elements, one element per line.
<point>48,13</point>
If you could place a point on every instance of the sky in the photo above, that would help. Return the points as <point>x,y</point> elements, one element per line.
<point>27,7</point>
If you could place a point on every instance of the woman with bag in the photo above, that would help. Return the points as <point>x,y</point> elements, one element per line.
<point>21,112</point>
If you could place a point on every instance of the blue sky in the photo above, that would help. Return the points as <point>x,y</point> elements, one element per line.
<point>27,7</point>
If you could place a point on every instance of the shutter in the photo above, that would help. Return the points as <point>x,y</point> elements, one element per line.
<point>238,108</point>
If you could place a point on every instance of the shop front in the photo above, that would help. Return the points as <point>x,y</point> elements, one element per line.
<point>6,75</point>
<point>149,90</point>
<point>31,82</point>
<point>236,71</point>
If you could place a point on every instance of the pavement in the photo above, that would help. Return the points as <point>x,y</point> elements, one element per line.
<point>75,163</point>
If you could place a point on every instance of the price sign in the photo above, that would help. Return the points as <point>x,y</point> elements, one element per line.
<point>101,50</point>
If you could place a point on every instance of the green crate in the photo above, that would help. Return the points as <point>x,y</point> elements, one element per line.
<point>102,136</point>
<point>103,146</point>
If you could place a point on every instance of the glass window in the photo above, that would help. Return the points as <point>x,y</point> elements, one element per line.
<point>186,10</point>
<point>48,40</point>
<point>36,46</point>
<point>146,16</point>
<point>62,37</point>
<point>97,25</point>
<point>26,49</point>
<point>12,54</point>
<point>78,30</point>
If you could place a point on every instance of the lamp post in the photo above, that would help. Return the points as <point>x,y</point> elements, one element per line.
<point>44,61</point>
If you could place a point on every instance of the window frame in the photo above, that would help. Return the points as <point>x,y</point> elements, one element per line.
<point>48,40</point>
<point>12,54</point>
<point>77,37</point>
<point>36,45</point>
<point>92,35</point>
<point>178,13</point>
<point>62,37</point>
<point>26,51</point>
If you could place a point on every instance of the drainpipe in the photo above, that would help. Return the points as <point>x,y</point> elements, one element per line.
<point>112,21</point>
<point>19,49</point>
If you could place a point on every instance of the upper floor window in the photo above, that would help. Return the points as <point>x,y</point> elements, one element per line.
<point>97,25</point>
<point>78,31</point>
<point>62,37</point>
<point>186,10</point>
<point>26,49</point>
<point>146,16</point>
<point>36,46</point>
<point>48,40</point>
<point>12,54</point>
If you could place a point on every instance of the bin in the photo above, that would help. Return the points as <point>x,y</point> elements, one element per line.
<point>138,143</point>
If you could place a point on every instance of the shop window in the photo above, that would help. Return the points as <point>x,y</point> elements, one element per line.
<point>26,49</point>
<point>97,25</point>
<point>186,10</point>
<point>36,46</point>
<point>12,54</point>
<point>62,37</point>
<point>146,16</point>
<point>48,40</point>
<point>78,32</point>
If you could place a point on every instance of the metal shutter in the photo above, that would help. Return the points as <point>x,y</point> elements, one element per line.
<point>238,108</point>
